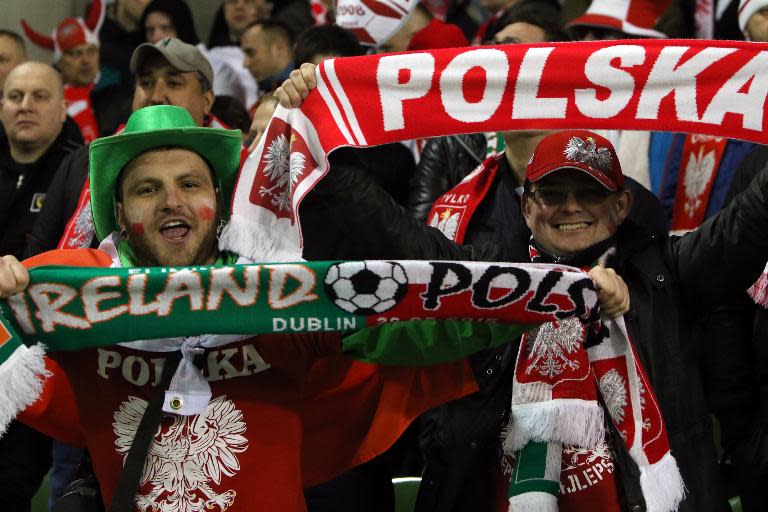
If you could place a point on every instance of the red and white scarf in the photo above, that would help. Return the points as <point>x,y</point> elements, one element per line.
<point>80,108</point>
<point>712,87</point>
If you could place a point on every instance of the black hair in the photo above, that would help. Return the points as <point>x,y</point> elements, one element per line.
<point>179,13</point>
<point>325,39</point>
<point>231,111</point>
<point>544,16</point>
<point>274,28</point>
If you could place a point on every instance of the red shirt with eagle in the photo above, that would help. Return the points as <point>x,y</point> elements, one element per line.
<point>287,412</point>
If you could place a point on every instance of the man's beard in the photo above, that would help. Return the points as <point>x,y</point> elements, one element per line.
<point>145,256</point>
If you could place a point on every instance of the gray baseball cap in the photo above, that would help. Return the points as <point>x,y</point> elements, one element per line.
<point>179,54</point>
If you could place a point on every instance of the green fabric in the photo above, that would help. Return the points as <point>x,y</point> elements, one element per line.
<point>427,342</point>
<point>155,127</point>
<point>531,473</point>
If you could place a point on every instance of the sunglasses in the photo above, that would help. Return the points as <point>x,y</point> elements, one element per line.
<point>552,196</point>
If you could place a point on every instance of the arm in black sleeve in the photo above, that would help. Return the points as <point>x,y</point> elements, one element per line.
<point>727,253</point>
<point>347,206</point>
<point>60,203</point>
<point>748,169</point>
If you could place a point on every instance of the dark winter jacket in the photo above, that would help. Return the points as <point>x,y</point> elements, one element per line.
<point>60,204</point>
<point>444,162</point>
<point>24,188</point>
<point>672,282</point>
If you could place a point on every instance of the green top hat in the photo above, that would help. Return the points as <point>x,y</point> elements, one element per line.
<point>156,127</point>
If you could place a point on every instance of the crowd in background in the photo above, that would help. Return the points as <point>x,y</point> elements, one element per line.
<point>119,57</point>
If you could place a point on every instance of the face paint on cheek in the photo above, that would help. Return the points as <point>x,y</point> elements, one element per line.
<point>207,213</point>
<point>137,228</point>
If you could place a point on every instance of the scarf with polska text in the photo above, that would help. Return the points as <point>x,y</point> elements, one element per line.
<point>562,367</point>
<point>72,308</point>
<point>711,87</point>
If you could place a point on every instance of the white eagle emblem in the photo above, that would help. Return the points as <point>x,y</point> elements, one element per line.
<point>613,388</point>
<point>578,150</point>
<point>283,168</point>
<point>186,457</point>
<point>698,173</point>
<point>552,343</point>
<point>82,232</point>
<point>446,222</point>
<point>575,457</point>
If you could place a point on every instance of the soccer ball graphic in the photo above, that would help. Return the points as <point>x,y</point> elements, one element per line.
<point>366,288</point>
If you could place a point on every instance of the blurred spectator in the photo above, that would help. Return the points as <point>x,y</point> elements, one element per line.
<point>173,18</point>
<point>119,36</point>
<point>168,18</point>
<point>12,53</point>
<point>499,8</point>
<point>168,73</point>
<point>262,113</point>
<point>421,31</point>
<point>753,19</point>
<point>96,108</point>
<point>319,43</point>
<point>231,112</point>
<point>268,50</point>
<point>38,135</point>
<point>233,18</point>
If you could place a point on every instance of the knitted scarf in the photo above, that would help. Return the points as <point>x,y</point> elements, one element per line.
<point>712,87</point>
<point>688,86</point>
<point>71,308</point>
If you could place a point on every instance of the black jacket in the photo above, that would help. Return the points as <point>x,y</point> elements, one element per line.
<point>60,203</point>
<point>24,188</point>
<point>672,282</point>
<point>444,162</point>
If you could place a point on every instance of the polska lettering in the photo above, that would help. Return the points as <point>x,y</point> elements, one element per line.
<point>648,82</point>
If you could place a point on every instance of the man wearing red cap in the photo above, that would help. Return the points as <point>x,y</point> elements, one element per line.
<point>575,204</point>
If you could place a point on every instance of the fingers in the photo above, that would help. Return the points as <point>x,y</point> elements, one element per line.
<point>612,291</point>
<point>13,276</point>
<point>253,145</point>
<point>297,86</point>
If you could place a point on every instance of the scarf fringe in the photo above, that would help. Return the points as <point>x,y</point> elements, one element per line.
<point>21,379</point>
<point>662,485</point>
<point>534,501</point>
<point>248,238</point>
<point>759,290</point>
<point>566,421</point>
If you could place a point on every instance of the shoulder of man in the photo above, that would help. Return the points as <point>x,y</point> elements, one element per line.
<point>70,258</point>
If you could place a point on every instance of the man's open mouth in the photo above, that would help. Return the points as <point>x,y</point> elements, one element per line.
<point>175,231</point>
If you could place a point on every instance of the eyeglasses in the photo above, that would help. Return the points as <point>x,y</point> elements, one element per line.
<point>547,196</point>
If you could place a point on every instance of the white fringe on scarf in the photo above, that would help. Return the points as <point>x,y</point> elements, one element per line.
<point>21,379</point>
<point>566,421</point>
<point>253,240</point>
<point>533,502</point>
<point>759,290</point>
<point>662,485</point>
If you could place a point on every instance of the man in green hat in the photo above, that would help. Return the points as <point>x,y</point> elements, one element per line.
<point>266,415</point>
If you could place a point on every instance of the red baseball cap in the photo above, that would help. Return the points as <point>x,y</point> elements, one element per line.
<point>577,149</point>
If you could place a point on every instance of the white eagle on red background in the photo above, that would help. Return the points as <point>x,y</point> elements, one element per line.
<point>186,457</point>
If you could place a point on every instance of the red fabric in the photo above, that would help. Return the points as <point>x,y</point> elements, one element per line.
<point>699,163</point>
<point>452,211</point>
<point>438,34</point>
<point>80,108</point>
<point>312,414</point>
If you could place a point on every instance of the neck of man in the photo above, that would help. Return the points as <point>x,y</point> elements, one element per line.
<point>123,17</point>
<point>28,152</point>
<point>518,148</point>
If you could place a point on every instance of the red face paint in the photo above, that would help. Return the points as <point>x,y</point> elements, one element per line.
<point>137,228</point>
<point>206,213</point>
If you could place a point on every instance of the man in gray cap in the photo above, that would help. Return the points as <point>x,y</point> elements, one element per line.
<point>169,72</point>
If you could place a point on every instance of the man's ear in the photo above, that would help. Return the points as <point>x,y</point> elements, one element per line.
<point>120,214</point>
<point>63,111</point>
<point>623,205</point>
<point>208,99</point>
<point>526,202</point>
